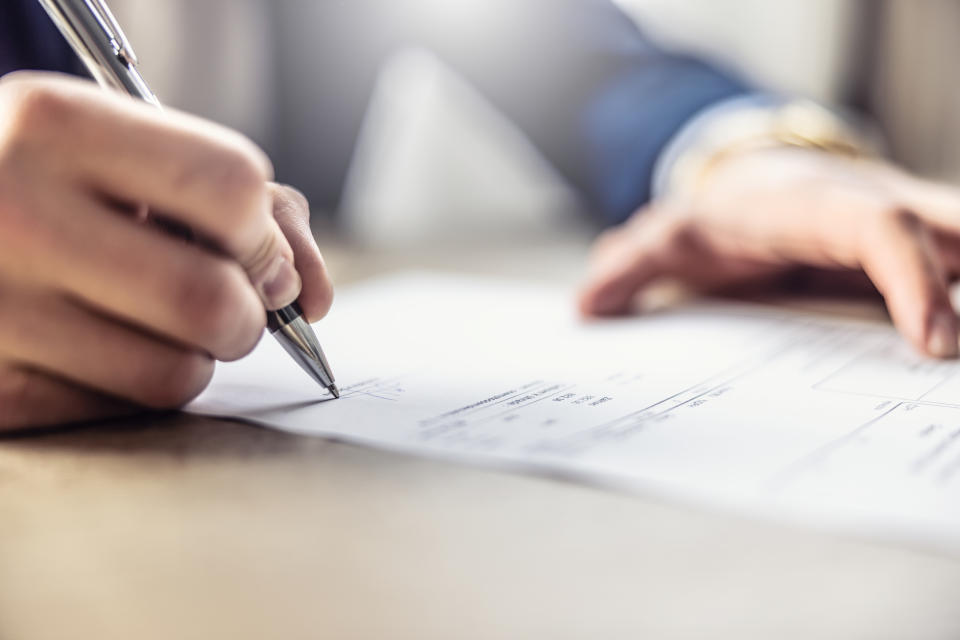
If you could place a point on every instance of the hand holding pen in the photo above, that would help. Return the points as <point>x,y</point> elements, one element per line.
<point>101,314</point>
<point>96,37</point>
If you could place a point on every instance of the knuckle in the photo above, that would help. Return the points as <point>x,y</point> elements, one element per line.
<point>22,76</point>
<point>255,155</point>
<point>241,190</point>
<point>890,228</point>
<point>679,233</point>
<point>242,181</point>
<point>208,298</point>
<point>32,107</point>
<point>175,382</point>
<point>242,172</point>
<point>902,218</point>
<point>246,342</point>
<point>215,302</point>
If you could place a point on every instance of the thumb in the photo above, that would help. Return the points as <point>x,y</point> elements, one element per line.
<point>292,212</point>
<point>270,267</point>
<point>625,261</point>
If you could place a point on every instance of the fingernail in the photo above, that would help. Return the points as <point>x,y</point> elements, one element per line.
<point>942,340</point>
<point>281,285</point>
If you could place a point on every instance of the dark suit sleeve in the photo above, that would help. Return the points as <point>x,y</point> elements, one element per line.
<point>29,40</point>
<point>597,97</point>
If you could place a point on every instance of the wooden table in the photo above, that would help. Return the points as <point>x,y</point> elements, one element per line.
<point>180,527</point>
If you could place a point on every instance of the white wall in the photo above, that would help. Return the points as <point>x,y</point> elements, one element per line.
<point>800,46</point>
<point>206,56</point>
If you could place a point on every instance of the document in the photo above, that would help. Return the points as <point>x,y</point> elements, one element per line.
<point>836,424</point>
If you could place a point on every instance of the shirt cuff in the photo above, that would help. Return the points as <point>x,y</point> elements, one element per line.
<point>754,121</point>
<point>692,135</point>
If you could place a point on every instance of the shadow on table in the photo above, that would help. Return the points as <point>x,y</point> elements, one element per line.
<point>166,434</point>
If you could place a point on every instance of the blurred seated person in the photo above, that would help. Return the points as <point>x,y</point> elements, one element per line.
<point>700,177</point>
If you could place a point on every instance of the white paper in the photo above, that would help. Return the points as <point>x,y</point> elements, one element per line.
<point>833,423</point>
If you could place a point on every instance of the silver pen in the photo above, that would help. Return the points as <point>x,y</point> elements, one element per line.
<point>96,37</point>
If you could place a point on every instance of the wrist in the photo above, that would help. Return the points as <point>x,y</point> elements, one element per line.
<point>763,128</point>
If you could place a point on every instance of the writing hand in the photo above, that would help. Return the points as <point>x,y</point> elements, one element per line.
<point>101,312</point>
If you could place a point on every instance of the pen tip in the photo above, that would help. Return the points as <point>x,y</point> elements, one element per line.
<point>334,391</point>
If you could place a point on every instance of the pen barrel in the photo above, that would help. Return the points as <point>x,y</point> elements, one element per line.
<point>299,340</point>
<point>103,53</point>
<point>277,320</point>
<point>94,34</point>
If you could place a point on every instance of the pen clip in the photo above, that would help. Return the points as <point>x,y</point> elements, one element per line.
<point>111,27</point>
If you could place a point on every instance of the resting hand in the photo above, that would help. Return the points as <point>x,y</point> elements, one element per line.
<point>761,214</point>
<point>100,311</point>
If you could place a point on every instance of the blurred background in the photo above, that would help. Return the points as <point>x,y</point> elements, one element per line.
<point>361,108</point>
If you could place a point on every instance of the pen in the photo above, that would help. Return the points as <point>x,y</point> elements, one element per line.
<point>96,37</point>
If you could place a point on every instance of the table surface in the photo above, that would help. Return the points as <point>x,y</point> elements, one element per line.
<point>182,527</point>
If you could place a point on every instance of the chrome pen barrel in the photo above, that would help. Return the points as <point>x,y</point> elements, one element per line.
<point>296,336</point>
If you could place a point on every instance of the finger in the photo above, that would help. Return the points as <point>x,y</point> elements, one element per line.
<point>204,176</point>
<point>271,269</point>
<point>53,335</point>
<point>948,248</point>
<point>30,399</point>
<point>627,260</point>
<point>936,203</point>
<point>130,271</point>
<point>292,212</point>
<point>898,254</point>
